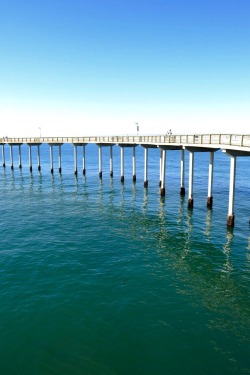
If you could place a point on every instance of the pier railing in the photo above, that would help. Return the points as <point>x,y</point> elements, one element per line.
<point>236,140</point>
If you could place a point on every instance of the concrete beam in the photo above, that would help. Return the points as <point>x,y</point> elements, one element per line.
<point>235,152</point>
<point>200,149</point>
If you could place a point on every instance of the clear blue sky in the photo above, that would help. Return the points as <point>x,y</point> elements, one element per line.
<point>76,67</point>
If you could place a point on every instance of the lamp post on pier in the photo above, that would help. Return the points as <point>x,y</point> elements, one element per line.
<point>137,128</point>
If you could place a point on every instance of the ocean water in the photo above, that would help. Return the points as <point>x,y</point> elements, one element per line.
<point>99,277</point>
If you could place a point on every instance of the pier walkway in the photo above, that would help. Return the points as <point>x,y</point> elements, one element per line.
<point>232,141</point>
<point>234,145</point>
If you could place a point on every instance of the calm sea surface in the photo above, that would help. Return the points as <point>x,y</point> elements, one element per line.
<point>99,277</point>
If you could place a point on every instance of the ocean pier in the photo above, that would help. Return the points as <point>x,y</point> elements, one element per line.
<point>232,145</point>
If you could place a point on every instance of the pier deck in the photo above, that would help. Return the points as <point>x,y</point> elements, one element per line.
<point>229,141</point>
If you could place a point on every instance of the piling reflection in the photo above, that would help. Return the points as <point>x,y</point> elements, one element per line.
<point>201,269</point>
<point>162,215</point>
<point>100,194</point>
<point>60,180</point>
<point>13,181</point>
<point>181,210</point>
<point>22,180</point>
<point>4,176</point>
<point>52,178</point>
<point>229,238</point>
<point>31,184</point>
<point>133,199</point>
<point>145,202</point>
<point>206,274</point>
<point>188,231</point>
<point>208,224</point>
<point>161,207</point>
<point>248,248</point>
<point>40,183</point>
<point>122,197</point>
<point>111,192</point>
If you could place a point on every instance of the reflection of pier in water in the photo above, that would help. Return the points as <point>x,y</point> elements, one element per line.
<point>194,267</point>
<point>231,144</point>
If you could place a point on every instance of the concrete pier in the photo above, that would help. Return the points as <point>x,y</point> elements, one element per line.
<point>182,190</point>
<point>30,157</point>
<point>51,159</point>
<point>75,160</point>
<point>3,157</point>
<point>111,161</point>
<point>145,167</point>
<point>160,164</point>
<point>133,164</point>
<point>210,180</point>
<point>19,157</point>
<point>122,163</point>
<point>233,154</point>
<point>38,158</point>
<point>11,157</point>
<point>232,144</point>
<point>83,161</point>
<point>192,150</point>
<point>191,180</point>
<point>230,216</point>
<point>163,173</point>
<point>100,160</point>
<point>59,159</point>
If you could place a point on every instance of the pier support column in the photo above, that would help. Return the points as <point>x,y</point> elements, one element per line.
<point>210,180</point>
<point>30,157</point>
<point>11,157</point>
<point>160,165</point>
<point>182,190</point>
<point>83,161</point>
<point>146,167</point>
<point>75,160</point>
<point>100,161</point>
<point>19,156</point>
<point>38,158</point>
<point>191,179</point>
<point>59,159</point>
<point>3,156</point>
<point>51,160</point>
<point>111,160</point>
<point>163,173</point>
<point>133,164</point>
<point>122,164</point>
<point>233,154</point>
<point>230,217</point>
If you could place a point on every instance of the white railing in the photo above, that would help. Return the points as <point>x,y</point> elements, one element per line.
<point>195,139</point>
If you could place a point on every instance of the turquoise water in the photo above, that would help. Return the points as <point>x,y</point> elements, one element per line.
<point>99,277</point>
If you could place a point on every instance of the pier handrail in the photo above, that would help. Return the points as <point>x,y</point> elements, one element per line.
<point>219,140</point>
